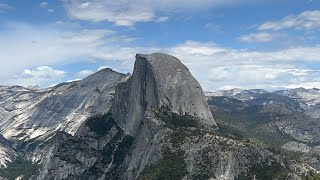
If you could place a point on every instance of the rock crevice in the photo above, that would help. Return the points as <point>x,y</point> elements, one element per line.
<point>159,80</point>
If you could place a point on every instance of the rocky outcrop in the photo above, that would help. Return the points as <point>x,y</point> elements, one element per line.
<point>296,147</point>
<point>155,124</point>
<point>283,112</point>
<point>30,116</point>
<point>129,137</point>
<point>301,127</point>
<point>159,126</point>
<point>159,80</point>
<point>89,154</point>
<point>7,153</point>
<point>211,156</point>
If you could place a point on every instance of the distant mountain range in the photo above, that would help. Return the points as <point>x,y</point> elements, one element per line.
<point>157,124</point>
<point>284,120</point>
<point>305,96</point>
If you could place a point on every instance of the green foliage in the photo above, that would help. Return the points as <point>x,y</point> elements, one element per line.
<point>180,134</point>
<point>122,149</point>
<point>170,167</point>
<point>242,125</point>
<point>20,167</point>
<point>226,103</point>
<point>118,152</point>
<point>177,120</point>
<point>271,171</point>
<point>101,124</point>
<point>292,155</point>
<point>312,176</point>
<point>72,143</point>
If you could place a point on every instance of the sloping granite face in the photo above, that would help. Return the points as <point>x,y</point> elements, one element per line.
<point>159,80</point>
<point>30,116</point>
<point>159,127</point>
<point>27,114</point>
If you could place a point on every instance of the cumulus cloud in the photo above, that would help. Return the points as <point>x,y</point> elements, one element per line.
<point>214,66</point>
<point>24,45</point>
<point>122,13</point>
<point>42,76</point>
<point>269,31</point>
<point>259,37</point>
<point>246,68</point>
<point>127,12</point>
<point>84,73</point>
<point>307,20</point>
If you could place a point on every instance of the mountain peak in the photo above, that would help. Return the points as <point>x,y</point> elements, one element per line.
<point>159,80</point>
<point>159,57</point>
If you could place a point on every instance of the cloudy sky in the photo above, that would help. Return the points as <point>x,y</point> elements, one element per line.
<point>270,44</point>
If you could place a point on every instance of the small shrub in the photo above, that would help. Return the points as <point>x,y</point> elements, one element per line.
<point>101,124</point>
<point>170,167</point>
<point>177,120</point>
<point>20,167</point>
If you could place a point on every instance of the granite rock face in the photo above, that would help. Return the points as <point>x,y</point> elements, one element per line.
<point>159,80</point>
<point>296,147</point>
<point>132,126</point>
<point>159,126</point>
<point>31,116</point>
<point>155,124</point>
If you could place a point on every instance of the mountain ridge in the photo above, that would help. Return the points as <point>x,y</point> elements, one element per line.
<point>153,124</point>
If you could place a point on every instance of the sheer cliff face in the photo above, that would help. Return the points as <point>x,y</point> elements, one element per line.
<point>159,80</point>
<point>159,126</point>
<point>155,124</point>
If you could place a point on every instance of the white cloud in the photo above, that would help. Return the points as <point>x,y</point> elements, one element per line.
<point>4,7</point>
<point>51,10</point>
<point>102,67</point>
<point>128,12</point>
<point>307,20</point>
<point>73,80</point>
<point>214,66</point>
<point>42,76</point>
<point>84,73</point>
<point>44,4</point>
<point>23,45</point>
<point>162,19</point>
<point>195,48</point>
<point>122,13</point>
<point>309,85</point>
<point>259,37</point>
<point>247,69</point>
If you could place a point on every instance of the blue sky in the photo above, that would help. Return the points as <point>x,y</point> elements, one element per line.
<point>268,44</point>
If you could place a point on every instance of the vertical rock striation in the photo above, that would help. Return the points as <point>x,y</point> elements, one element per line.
<point>159,80</point>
